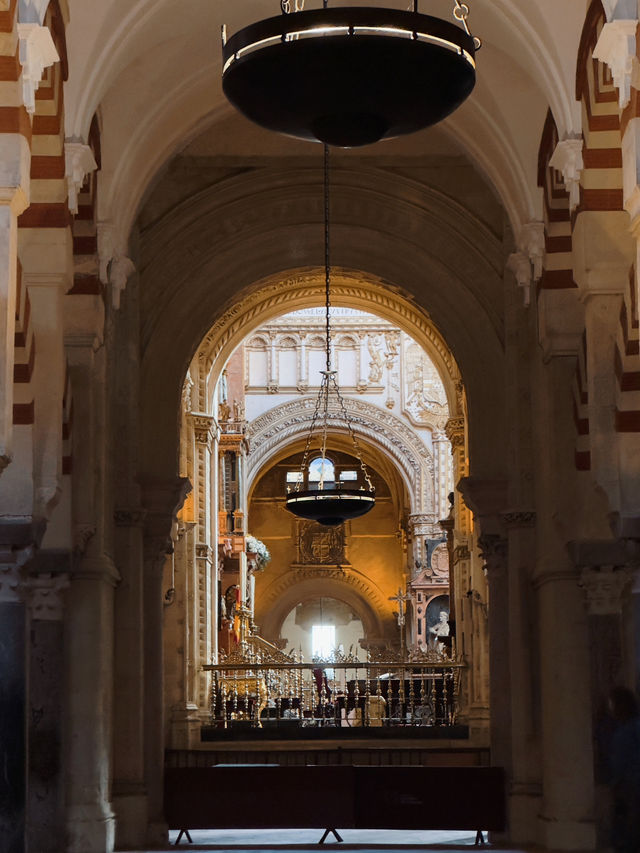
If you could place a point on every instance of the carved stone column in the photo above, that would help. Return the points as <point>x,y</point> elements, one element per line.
<point>46,793</point>
<point>13,701</point>
<point>204,592</point>
<point>526,788</point>
<point>161,500</point>
<point>90,820</point>
<point>129,787</point>
<point>493,550</point>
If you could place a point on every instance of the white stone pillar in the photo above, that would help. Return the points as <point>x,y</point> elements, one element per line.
<point>90,819</point>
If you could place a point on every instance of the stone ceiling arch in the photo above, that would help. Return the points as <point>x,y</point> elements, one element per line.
<point>118,53</point>
<point>189,280</point>
<point>278,599</point>
<point>277,429</point>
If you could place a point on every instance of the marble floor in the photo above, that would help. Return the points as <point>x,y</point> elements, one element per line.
<point>306,841</point>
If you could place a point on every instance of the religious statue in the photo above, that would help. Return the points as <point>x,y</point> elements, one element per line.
<point>238,410</point>
<point>231,601</point>
<point>377,361</point>
<point>440,629</point>
<point>224,411</point>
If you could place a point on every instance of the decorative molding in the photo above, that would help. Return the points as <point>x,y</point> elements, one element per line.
<point>567,159</point>
<point>376,295</point>
<point>79,162</point>
<point>36,53</point>
<point>45,596</point>
<point>532,243</point>
<point>616,47</point>
<point>604,589</point>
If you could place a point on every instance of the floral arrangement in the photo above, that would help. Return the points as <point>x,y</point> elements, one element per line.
<point>255,546</point>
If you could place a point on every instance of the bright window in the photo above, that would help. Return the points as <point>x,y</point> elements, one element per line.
<point>321,469</point>
<point>294,476</point>
<point>349,475</point>
<point>323,640</point>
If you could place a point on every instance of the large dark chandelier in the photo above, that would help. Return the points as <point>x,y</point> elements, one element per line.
<point>349,76</point>
<point>329,505</point>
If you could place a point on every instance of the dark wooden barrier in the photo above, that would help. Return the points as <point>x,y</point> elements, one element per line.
<point>268,797</point>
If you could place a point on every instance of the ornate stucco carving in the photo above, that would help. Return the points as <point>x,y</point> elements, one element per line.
<point>356,290</point>
<point>45,596</point>
<point>279,425</point>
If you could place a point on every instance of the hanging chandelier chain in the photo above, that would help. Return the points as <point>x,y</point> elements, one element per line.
<point>461,13</point>
<point>307,449</point>
<point>327,257</point>
<point>354,439</point>
<point>289,6</point>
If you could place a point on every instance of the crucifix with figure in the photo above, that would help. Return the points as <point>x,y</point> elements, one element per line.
<point>400,598</point>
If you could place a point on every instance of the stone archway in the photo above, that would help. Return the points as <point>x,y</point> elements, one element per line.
<point>281,426</point>
<point>353,588</point>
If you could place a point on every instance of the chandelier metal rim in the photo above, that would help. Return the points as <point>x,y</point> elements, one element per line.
<point>348,76</point>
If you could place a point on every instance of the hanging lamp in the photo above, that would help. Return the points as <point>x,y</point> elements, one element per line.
<point>329,506</point>
<point>349,76</point>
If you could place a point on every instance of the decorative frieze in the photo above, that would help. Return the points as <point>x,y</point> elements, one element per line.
<point>604,589</point>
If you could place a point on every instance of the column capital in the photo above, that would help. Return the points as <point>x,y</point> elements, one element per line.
<point>567,159</point>
<point>493,550</point>
<point>520,265</point>
<point>203,428</point>
<point>37,52</point>
<point>616,47</point>
<point>454,429</point>
<point>531,241</point>
<point>45,596</point>
<point>79,162</point>
<point>604,589</point>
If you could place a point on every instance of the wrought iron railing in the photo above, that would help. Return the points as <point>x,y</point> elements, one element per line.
<point>257,685</point>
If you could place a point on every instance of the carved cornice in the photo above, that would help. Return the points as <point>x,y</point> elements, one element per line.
<point>604,589</point>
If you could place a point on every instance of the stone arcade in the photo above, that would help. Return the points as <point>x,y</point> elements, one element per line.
<point>152,239</point>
